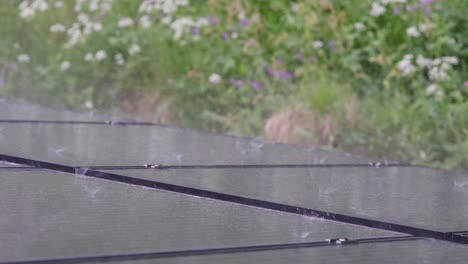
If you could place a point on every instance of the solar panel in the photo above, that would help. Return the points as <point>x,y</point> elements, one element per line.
<point>79,188</point>
<point>46,214</point>
<point>87,145</point>
<point>420,197</point>
<point>412,251</point>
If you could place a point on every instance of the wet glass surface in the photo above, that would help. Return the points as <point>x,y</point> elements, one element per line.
<point>86,145</point>
<point>46,214</point>
<point>419,197</point>
<point>415,251</point>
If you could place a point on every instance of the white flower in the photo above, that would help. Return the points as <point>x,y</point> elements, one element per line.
<point>393,1</point>
<point>359,26</point>
<point>145,21</point>
<point>169,7</point>
<point>214,78</point>
<point>100,55</point>
<point>27,12</point>
<point>119,59</point>
<point>202,22</point>
<point>58,4</point>
<point>106,5</point>
<point>78,4</point>
<point>423,62</point>
<point>317,44</point>
<point>241,15</point>
<point>97,27</point>
<point>182,2</point>
<point>436,62</point>
<point>413,32</point>
<point>41,5</point>
<point>180,25</point>
<point>450,60</point>
<point>377,9</point>
<point>436,73</point>
<point>57,28</point>
<point>89,57</point>
<point>134,49</point>
<point>94,5</point>
<point>445,66</point>
<point>166,20</point>
<point>423,27</point>
<point>83,18</point>
<point>405,65</point>
<point>24,58</point>
<point>88,104</point>
<point>65,66</point>
<point>432,89</point>
<point>408,57</point>
<point>125,22</point>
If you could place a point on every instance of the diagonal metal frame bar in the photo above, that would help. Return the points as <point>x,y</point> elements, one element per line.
<point>247,166</point>
<point>411,230</point>
<point>209,251</point>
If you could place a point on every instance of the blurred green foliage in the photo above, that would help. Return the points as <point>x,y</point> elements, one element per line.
<point>395,81</point>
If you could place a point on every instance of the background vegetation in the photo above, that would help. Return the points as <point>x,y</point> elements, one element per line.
<point>386,78</point>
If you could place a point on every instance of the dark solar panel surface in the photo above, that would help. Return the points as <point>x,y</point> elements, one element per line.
<point>48,214</point>
<point>416,251</point>
<point>388,194</point>
<point>51,214</point>
<point>137,145</point>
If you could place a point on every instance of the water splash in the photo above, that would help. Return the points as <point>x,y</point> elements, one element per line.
<point>251,147</point>
<point>89,185</point>
<point>461,184</point>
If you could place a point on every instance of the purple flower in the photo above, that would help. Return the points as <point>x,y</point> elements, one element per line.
<point>426,2</point>
<point>244,22</point>
<point>427,10</point>
<point>2,82</point>
<point>285,74</point>
<point>195,31</point>
<point>299,55</point>
<point>238,83</point>
<point>225,36</point>
<point>415,7</point>
<point>256,85</point>
<point>270,71</point>
<point>396,9</point>
<point>408,8</point>
<point>279,61</point>
<point>214,20</point>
